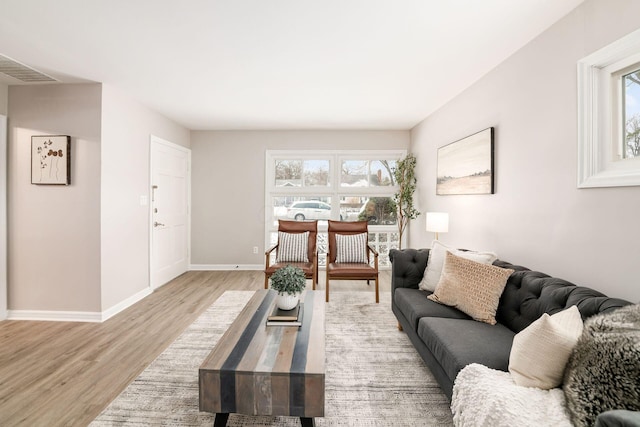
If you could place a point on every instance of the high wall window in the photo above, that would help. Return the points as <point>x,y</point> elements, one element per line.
<point>337,185</point>
<point>609,115</point>
<point>631,113</point>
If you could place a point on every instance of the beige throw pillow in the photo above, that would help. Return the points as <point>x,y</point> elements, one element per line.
<point>435,262</point>
<point>540,352</point>
<point>471,287</point>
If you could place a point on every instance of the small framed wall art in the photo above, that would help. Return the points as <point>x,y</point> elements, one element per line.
<point>51,160</point>
<point>466,166</point>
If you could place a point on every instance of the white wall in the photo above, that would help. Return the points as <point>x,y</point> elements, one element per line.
<point>83,247</point>
<point>4,99</point>
<point>126,129</point>
<point>54,231</point>
<point>228,184</point>
<point>3,217</point>
<point>538,218</point>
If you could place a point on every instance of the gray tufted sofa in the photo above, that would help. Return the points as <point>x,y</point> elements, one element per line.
<point>448,340</point>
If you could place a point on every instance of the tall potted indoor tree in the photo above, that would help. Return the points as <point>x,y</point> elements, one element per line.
<point>404,174</point>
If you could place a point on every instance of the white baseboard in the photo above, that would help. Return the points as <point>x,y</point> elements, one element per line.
<point>226,267</point>
<point>55,316</point>
<point>125,304</point>
<point>3,314</point>
<point>77,316</point>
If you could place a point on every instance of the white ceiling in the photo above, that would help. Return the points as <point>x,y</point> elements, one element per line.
<point>276,64</point>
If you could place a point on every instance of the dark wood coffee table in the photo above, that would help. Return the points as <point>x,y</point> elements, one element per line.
<point>257,369</point>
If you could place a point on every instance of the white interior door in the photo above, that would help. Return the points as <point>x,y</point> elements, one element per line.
<point>170,184</point>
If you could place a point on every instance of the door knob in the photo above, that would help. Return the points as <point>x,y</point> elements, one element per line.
<point>158,224</point>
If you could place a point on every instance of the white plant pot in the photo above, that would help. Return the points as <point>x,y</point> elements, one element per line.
<point>286,301</point>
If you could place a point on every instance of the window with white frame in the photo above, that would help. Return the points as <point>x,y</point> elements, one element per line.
<point>609,115</point>
<point>337,185</point>
<point>631,112</point>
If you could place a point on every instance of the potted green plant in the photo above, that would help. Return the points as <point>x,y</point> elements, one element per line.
<point>289,282</point>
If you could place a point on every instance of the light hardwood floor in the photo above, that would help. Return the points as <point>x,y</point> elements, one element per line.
<point>66,373</point>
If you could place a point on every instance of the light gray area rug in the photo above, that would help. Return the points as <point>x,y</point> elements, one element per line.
<point>374,375</point>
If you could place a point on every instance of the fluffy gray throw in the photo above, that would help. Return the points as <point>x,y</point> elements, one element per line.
<point>603,372</point>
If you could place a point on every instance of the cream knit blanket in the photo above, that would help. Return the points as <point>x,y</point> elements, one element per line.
<point>487,397</point>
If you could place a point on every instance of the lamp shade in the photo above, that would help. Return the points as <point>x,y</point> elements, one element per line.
<point>438,222</point>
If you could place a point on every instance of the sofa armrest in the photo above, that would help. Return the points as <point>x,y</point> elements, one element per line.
<point>618,418</point>
<point>407,267</point>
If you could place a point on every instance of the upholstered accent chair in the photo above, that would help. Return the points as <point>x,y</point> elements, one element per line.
<point>349,256</point>
<point>290,249</point>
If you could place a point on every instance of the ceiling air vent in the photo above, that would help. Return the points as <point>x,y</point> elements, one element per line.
<point>21,72</point>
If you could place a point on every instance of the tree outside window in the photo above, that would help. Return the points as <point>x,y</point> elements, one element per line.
<point>631,84</point>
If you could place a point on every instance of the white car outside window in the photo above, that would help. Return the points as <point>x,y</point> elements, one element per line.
<point>309,210</point>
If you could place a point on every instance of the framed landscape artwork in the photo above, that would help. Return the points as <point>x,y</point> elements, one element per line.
<point>51,160</point>
<point>466,166</point>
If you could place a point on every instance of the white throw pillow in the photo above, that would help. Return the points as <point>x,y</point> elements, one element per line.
<point>436,258</point>
<point>351,248</point>
<point>540,352</point>
<point>293,247</point>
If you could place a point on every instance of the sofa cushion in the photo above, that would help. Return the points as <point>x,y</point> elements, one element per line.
<point>540,352</point>
<point>471,287</point>
<point>414,305</point>
<point>456,343</point>
<point>435,264</point>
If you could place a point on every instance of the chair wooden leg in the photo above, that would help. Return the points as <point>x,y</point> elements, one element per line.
<point>266,281</point>
<point>399,326</point>
<point>326,287</point>
<point>377,292</point>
